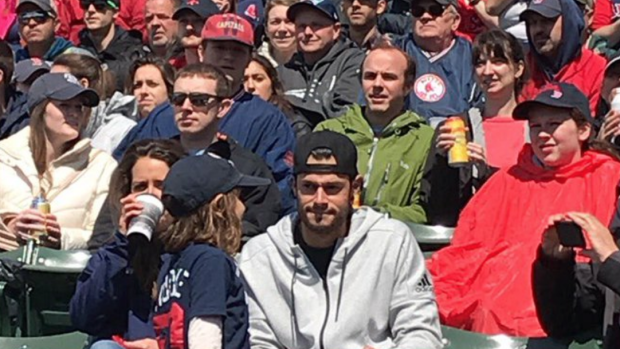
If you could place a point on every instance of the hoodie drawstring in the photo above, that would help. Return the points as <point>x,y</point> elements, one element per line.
<point>293,309</point>
<point>344,268</point>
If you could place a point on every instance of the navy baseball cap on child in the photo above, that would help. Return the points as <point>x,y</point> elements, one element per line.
<point>559,95</point>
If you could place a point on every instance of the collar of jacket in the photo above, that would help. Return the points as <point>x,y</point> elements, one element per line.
<point>354,121</point>
<point>340,45</point>
<point>17,149</point>
<point>86,39</point>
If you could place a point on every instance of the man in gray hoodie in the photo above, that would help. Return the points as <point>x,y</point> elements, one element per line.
<point>322,79</point>
<point>331,276</point>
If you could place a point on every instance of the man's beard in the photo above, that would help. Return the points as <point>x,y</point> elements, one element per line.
<point>341,219</point>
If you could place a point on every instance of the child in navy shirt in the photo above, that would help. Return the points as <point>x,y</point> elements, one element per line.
<point>200,302</point>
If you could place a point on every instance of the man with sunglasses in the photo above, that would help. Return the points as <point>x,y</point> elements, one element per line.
<point>554,28</point>
<point>38,19</point>
<point>110,43</point>
<point>259,126</point>
<point>322,79</point>
<point>444,84</point>
<point>200,103</point>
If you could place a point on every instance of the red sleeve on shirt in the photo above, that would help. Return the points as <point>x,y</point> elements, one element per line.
<point>602,14</point>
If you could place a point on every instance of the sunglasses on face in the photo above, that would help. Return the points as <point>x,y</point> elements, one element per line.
<point>100,5</point>
<point>197,99</point>
<point>38,16</point>
<point>434,10</point>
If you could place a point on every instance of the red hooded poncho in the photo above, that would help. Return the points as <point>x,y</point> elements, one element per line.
<point>483,280</point>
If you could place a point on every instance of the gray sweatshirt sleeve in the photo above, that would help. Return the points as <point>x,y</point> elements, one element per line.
<point>261,334</point>
<point>414,318</point>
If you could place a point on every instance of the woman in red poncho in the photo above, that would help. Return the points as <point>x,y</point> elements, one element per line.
<point>483,280</point>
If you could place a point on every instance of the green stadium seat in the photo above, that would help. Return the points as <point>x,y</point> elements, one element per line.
<point>72,340</point>
<point>431,238</point>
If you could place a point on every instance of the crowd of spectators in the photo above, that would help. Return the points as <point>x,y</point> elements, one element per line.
<point>295,145</point>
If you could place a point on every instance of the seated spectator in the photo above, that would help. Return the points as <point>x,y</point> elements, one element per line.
<point>191,16</point>
<point>37,21</point>
<point>7,17</point>
<point>110,301</point>
<point>199,289</point>
<point>605,25</point>
<point>392,143</point>
<point>115,115</point>
<point>294,275</point>
<point>501,227</point>
<point>261,79</point>
<point>322,79</point>
<point>363,17</point>
<point>200,101</point>
<point>555,53</point>
<point>17,114</point>
<point>494,139</point>
<point>112,45</point>
<point>7,66</point>
<point>562,291</point>
<point>281,43</point>
<point>162,31</point>
<point>52,160</point>
<point>256,124</point>
<point>150,81</point>
<point>444,83</point>
<point>71,18</point>
<point>609,118</point>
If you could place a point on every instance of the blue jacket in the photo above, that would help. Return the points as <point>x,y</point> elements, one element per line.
<point>262,128</point>
<point>17,116</point>
<point>444,85</point>
<point>159,124</point>
<point>255,124</point>
<point>108,300</point>
<point>59,46</point>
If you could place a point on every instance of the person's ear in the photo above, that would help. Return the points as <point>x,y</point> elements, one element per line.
<point>585,131</point>
<point>224,107</point>
<point>115,15</point>
<point>357,184</point>
<point>56,25</point>
<point>337,29</point>
<point>520,69</point>
<point>381,7</point>
<point>457,20</point>
<point>84,82</point>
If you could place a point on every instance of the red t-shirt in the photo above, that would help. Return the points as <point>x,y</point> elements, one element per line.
<point>605,13</point>
<point>504,138</point>
<point>470,25</point>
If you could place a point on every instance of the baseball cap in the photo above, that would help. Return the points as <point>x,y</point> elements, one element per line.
<point>559,95</point>
<point>203,8</point>
<point>454,3</point>
<point>325,7</point>
<point>228,27</point>
<point>48,6</point>
<point>545,8</point>
<point>342,148</point>
<point>195,180</point>
<point>59,86</point>
<point>615,59</point>
<point>28,68</point>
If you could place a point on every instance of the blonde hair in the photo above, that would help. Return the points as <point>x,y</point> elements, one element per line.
<point>215,223</point>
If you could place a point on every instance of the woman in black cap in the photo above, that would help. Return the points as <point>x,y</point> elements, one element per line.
<point>51,162</point>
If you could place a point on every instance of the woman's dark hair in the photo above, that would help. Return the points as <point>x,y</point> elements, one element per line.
<point>89,68</point>
<point>146,259</point>
<point>166,70</point>
<point>593,143</point>
<point>499,44</point>
<point>277,89</point>
<point>7,65</point>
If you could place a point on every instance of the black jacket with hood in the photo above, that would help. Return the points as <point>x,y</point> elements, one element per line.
<point>327,88</point>
<point>125,47</point>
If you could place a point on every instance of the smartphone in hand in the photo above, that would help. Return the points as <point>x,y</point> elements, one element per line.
<point>570,234</point>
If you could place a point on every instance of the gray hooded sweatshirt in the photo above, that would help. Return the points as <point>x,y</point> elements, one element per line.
<point>111,120</point>
<point>377,291</point>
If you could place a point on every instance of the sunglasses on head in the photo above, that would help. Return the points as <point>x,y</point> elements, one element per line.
<point>197,99</point>
<point>434,10</point>
<point>38,16</point>
<point>100,5</point>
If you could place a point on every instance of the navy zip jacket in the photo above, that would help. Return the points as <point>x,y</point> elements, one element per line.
<point>17,116</point>
<point>444,84</point>
<point>108,299</point>
<point>253,123</point>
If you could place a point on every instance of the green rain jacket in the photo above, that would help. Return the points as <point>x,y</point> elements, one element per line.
<point>392,163</point>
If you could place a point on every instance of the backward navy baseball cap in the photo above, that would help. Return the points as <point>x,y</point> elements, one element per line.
<point>60,87</point>
<point>339,146</point>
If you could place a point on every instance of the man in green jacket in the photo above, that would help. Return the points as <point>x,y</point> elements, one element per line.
<point>392,143</point>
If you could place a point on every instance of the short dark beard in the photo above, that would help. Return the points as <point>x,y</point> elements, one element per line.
<point>343,219</point>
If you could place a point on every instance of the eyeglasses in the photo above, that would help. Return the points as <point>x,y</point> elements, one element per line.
<point>197,99</point>
<point>434,10</point>
<point>100,5</point>
<point>39,17</point>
